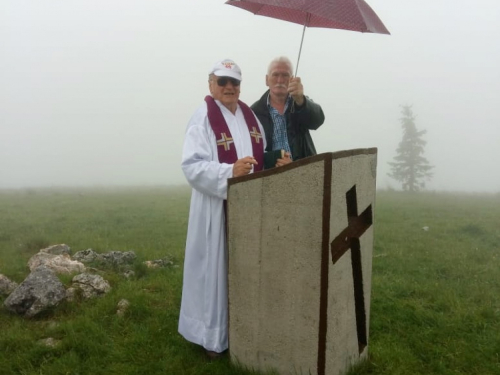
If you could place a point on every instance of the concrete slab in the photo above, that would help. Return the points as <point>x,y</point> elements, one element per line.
<point>300,242</point>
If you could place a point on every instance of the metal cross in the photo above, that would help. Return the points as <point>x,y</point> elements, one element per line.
<point>349,239</point>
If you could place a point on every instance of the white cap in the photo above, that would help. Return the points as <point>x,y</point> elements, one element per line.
<point>226,68</point>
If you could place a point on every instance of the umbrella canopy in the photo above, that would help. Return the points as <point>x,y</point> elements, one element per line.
<point>355,15</point>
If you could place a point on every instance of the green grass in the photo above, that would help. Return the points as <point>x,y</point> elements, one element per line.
<point>435,305</point>
<point>436,293</point>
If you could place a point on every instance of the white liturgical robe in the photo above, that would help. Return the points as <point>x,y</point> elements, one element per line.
<point>204,311</point>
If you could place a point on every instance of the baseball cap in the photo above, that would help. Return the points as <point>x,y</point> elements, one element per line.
<point>226,68</point>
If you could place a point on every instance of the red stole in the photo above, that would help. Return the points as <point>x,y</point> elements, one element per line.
<point>225,145</point>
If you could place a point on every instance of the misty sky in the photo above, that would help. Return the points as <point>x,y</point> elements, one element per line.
<point>99,92</point>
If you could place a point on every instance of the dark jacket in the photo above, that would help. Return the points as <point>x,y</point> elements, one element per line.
<point>307,117</point>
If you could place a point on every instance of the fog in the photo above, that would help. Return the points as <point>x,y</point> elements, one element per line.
<point>99,92</point>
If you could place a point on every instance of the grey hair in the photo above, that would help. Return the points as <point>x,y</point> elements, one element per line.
<point>280,59</point>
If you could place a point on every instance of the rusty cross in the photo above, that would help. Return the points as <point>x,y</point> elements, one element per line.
<point>349,239</point>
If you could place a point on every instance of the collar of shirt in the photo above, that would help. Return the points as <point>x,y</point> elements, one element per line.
<point>288,101</point>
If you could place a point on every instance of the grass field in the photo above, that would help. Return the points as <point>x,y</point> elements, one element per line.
<point>435,301</point>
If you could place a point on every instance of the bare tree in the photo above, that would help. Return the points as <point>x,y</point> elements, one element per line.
<point>410,167</point>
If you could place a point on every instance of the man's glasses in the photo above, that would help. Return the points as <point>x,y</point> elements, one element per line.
<point>222,81</point>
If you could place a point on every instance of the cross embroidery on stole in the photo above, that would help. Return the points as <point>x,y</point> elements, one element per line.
<point>256,134</point>
<point>225,141</point>
<point>223,137</point>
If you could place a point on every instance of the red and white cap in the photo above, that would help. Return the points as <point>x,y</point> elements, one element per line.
<point>226,68</point>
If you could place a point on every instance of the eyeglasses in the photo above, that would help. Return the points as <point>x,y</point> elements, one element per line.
<point>222,81</point>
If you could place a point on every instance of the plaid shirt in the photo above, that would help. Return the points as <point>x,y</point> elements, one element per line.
<point>280,136</point>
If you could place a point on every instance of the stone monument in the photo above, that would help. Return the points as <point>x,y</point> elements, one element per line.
<point>300,240</point>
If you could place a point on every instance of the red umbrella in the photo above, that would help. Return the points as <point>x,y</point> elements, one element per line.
<point>355,15</point>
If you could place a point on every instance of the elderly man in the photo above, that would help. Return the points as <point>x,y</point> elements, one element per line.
<point>286,113</point>
<point>223,139</point>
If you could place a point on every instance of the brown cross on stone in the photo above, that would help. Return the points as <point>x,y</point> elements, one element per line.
<point>349,239</point>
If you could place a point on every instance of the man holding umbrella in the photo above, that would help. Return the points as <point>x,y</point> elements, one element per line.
<point>287,114</point>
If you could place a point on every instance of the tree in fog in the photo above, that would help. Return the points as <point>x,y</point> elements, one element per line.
<point>410,167</point>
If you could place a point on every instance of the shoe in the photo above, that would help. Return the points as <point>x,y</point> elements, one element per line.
<point>214,355</point>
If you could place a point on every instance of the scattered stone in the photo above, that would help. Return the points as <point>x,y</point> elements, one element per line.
<point>6,285</point>
<point>86,256</point>
<point>90,285</point>
<point>52,325</point>
<point>117,258</point>
<point>50,342</point>
<point>58,263</point>
<point>42,289</point>
<point>122,307</point>
<point>129,274</point>
<point>57,249</point>
<point>160,263</point>
<point>113,258</point>
<point>70,294</point>
<point>38,292</point>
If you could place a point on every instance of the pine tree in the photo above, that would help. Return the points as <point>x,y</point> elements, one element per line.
<point>409,166</point>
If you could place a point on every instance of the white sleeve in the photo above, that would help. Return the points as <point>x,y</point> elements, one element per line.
<point>200,162</point>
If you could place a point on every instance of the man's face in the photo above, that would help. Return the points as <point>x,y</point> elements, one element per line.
<point>278,78</point>
<point>225,89</point>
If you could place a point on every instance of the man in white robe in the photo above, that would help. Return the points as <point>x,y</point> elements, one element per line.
<point>204,312</point>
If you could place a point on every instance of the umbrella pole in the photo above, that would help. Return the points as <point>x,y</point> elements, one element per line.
<point>300,50</point>
<point>306,22</point>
